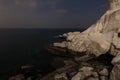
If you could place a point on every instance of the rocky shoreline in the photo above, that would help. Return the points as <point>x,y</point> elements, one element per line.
<point>93,54</point>
<point>70,69</point>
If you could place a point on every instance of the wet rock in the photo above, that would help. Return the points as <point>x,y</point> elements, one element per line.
<point>99,37</point>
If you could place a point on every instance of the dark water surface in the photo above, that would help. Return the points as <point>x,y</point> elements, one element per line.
<point>26,46</point>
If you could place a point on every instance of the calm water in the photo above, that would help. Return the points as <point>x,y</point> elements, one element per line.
<point>26,46</point>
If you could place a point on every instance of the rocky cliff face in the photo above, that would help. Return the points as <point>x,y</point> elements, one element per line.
<point>100,38</point>
<point>102,34</point>
<point>113,4</point>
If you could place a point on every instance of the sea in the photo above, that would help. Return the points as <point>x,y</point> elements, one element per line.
<point>26,46</point>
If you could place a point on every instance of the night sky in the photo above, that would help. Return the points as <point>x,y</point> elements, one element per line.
<point>50,13</point>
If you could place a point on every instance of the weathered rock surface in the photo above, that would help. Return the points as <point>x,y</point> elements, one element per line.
<point>83,73</point>
<point>104,72</point>
<point>99,38</point>
<point>115,73</point>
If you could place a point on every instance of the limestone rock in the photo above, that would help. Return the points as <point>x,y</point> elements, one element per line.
<point>78,76</point>
<point>83,73</point>
<point>99,37</point>
<point>113,4</point>
<point>71,34</point>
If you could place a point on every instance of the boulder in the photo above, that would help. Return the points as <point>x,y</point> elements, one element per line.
<point>104,72</point>
<point>83,73</point>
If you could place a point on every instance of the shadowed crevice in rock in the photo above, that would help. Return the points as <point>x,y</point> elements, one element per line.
<point>105,59</point>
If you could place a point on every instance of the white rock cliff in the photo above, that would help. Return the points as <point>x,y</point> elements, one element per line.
<point>99,38</point>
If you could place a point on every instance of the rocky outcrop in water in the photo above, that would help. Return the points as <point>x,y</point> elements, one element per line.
<point>100,37</point>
